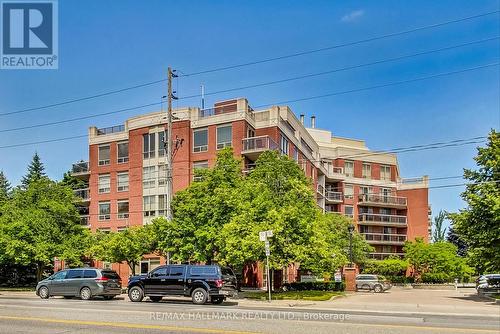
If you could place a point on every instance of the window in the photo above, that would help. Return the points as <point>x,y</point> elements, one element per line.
<point>104,183</point>
<point>365,190</point>
<point>60,275</point>
<point>389,230</point>
<point>349,168</point>
<point>122,209</point>
<point>159,272</point>
<point>176,270</point>
<point>162,175</point>
<point>104,155</point>
<point>144,267</point>
<point>200,140</point>
<point>284,145</point>
<point>296,153</point>
<point>122,181</point>
<point>385,173</point>
<point>224,136</point>
<point>385,211</point>
<point>367,171</point>
<point>386,249</point>
<point>148,177</point>
<point>250,132</point>
<point>104,210</point>
<point>149,206</point>
<point>363,210</point>
<point>162,205</point>
<point>122,149</point>
<point>199,165</point>
<point>149,145</point>
<point>204,271</point>
<point>349,210</point>
<point>104,230</point>
<point>348,191</point>
<point>76,273</point>
<point>89,274</point>
<point>386,192</point>
<point>364,229</point>
<point>121,228</point>
<point>162,143</point>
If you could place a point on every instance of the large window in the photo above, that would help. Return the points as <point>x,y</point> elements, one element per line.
<point>122,149</point>
<point>122,181</point>
<point>104,183</point>
<point>296,153</point>
<point>349,210</point>
<point>162,175</point>
<point>200,140</point>
<point>224,136</point>
<point>385,173</point>
<point>162,143</point>
<point>199,165</point>
<point>162,205</point>
<point>148,177</point>
<point>365,190</point>
<point>149,141</point>
<point>104,210</point>
<point>348,191</point>
<point>349,168</point>
<point>284,145</point>
<point>122,209</point>
<point>104,155</point>
<point>367,171</point>
<point>149,206</point>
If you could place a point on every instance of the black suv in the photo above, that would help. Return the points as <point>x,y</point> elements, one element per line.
<point>200,282</point>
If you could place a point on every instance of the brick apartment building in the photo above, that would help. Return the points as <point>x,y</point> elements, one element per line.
<point>126,175</point>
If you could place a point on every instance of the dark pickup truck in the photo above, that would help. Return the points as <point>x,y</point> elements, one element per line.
<point>200,282</point>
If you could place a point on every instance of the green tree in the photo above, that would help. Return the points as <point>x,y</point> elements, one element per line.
<point>478,224</point>
<point>4,188</point>
<point>438,230</point>
<point>40,223</point>
<point>72,182</point>
<point>201,211</point>
<point>36,171</point>
<point>436,262</point>
<point>127,246</point>
<point>457,241</point>
<point>393,268</point>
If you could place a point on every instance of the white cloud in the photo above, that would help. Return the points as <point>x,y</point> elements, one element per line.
<point>353,16</point>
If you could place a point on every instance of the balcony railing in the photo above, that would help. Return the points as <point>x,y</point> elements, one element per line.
<point>320,189</point>
<point>380,218</point>
<point>334,196</point>
<point>385,238</point>
<point>382,200</point>
<point>381,256</point>
<point>221,110</point>
<point>111,129</point>
<point>259,144</point>
<point>334,172</point>
<point>84,194</point>
<point>80,168</point>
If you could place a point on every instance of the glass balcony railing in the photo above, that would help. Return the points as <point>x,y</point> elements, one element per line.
<point>334,196</point>
<point>111,129</point>
<point>259,144</point>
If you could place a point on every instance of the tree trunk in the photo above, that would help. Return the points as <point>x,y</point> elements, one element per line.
<point>131,265</point>
<point>39,271</point>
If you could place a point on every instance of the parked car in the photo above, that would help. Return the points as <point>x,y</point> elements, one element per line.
<point>488,284</point>
<point>376,283</point>
<point>200,282</point>
<point>81,282</point>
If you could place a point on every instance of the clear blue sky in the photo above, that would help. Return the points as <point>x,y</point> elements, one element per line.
<point>111,44</point>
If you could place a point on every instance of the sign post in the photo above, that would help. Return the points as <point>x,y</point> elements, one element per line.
<point>263,236</point>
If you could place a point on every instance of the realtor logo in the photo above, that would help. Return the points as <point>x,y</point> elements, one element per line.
<point>29,35</point>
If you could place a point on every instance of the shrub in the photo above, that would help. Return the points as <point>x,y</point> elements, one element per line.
<point>436,278</point>
<point>320,286</point>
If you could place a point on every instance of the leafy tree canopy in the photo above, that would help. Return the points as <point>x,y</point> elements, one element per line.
<point>4,187</point>
<point>438,230</point>
<point>36,171</point>
<point>478,224</point>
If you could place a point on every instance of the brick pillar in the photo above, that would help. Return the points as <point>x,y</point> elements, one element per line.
<point>350,278</point>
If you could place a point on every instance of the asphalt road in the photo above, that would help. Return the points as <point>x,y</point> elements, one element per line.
<point>26,313</point>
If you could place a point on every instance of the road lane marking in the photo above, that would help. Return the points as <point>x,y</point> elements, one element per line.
<point>125,325</point>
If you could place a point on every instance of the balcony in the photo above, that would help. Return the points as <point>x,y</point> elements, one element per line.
<point>254,146</point>
<point>386,239</point>
<point>111,129</point>
<point>81,169</point>
<point>380,200</point>
<point>334,196</point>
<point>334,173</point>
<point>83,194</point>
<point>382,256</point>
<point>383,220</point>
<point>320,190</point>
<point>220,110</point>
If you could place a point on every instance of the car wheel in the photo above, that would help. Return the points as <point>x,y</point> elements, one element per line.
<point>378,288</point>
<point>135,294</point>
<point>217,300</point>
<point>108,297</point>
<point>199,296</point>
<point>43,292</point>
<point>85,293</point>
<point>155,299</point>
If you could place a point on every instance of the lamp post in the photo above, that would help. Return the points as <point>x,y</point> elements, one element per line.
<point>351,230</point>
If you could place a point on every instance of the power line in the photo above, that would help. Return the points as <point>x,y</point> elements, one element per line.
<point>382,61</point>
<point>270,104</point>
<point>116,91</point>
<point>371,39</point>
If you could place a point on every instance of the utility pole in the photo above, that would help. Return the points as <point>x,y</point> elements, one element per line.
<point>170,189</point>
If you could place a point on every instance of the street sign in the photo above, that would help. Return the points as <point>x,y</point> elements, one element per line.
<point>269,233</point>
<point>338,277</point>
<point>262,236</point>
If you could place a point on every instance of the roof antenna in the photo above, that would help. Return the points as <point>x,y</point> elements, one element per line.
<point>202,97</point>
